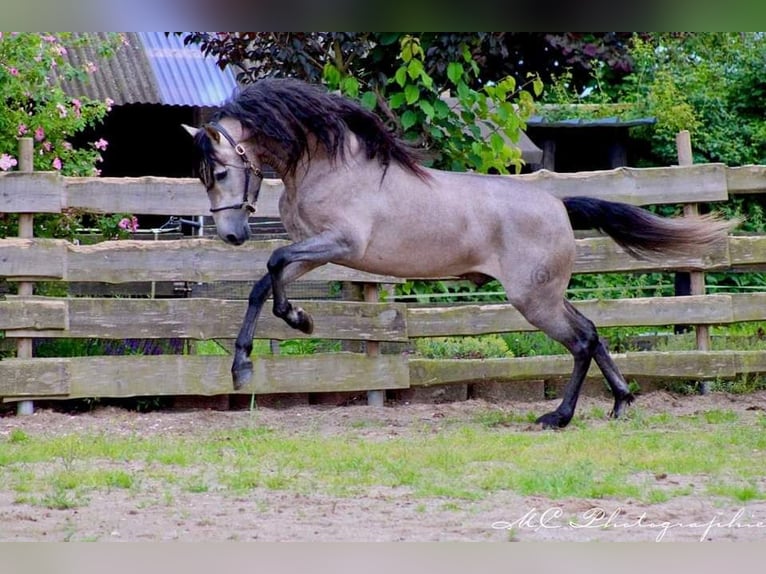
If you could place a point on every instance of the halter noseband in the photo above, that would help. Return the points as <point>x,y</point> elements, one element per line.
<point>249,168</point>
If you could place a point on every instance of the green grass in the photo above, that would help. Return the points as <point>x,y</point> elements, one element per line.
<point>718,450</point>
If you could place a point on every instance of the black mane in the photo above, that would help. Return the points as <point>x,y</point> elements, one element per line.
<point>283,111</point>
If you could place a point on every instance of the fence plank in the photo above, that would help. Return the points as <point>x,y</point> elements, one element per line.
<point>639,186</point>
<point>24,192</point>
<point>203,318</point>
<point>155,195</point>
<point>747,250</point>
<point>28,378</point>
<point>602,255</point>
<point>128,376</point>
<point>48,192</point>
<point>200,318</point>
<point>33,314</point>
<point>644,311</point>
<point>746,179</point>
<point>198,260</point>
<point>207,260</point>
<point>37,259</point>
<point>686,365</point>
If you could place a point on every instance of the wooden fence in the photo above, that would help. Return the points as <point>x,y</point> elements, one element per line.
<point>25,316</point>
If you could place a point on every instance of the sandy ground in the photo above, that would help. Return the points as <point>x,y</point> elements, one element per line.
<point>382,514</point>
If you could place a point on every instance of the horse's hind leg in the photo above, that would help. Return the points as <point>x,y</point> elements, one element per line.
<point>622,395</point>
<point>577,333</point>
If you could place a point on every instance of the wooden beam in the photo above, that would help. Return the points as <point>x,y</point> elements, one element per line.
<point>129,376</point>
<point>50,193</point>
<point>688,365</point>
<point>638,186</point>
<point>199,318</point>
<point>33,314</point>
<point>747,179</point>
<point>198,260</point>
<point>644,311</point>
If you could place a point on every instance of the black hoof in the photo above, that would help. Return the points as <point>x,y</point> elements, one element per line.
<point>242,374</point>
<point>553,420</point>
<point>620,404</point>
<point>305,323</point>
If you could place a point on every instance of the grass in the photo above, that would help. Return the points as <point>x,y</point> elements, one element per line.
<point>464,461</point>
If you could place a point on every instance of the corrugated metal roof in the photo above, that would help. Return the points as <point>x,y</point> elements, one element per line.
<point>152,69</point>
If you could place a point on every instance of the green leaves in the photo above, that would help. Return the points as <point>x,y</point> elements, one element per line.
<point>455,72</point>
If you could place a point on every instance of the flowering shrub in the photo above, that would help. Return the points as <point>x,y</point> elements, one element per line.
<point>32,66</point>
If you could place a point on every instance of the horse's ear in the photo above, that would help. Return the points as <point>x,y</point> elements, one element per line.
<point>212,133</point>
<point>192,131</point>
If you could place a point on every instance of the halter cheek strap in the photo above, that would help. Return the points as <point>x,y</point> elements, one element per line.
<point>249,168</point>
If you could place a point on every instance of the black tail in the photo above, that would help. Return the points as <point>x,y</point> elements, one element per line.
<point>641,233</point>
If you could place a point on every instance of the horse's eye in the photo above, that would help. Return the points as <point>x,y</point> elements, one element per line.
<point>221,175</point>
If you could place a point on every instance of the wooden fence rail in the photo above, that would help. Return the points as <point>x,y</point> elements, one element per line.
<point>208,260</point>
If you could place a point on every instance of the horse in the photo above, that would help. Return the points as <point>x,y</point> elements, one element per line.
<point>358,195</point>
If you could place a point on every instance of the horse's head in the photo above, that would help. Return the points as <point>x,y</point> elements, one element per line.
<point>230,175</point>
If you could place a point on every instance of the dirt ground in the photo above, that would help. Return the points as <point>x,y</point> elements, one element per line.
<point>383,514</point>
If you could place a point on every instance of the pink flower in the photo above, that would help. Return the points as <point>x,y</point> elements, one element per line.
<point>22,129</point>
<point>56,163</point>
<point>39,134</point>
<point>101,144</point>
<point>67,146</point>
<point>7,162</point>
<point>47,146</point>
<point>109,103</point>
<point>128,224</point>
<point>62,110</point>
<point>90,67</point>
<point>13,71</point>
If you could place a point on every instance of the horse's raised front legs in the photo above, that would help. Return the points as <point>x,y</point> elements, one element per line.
<point>285,265</point>
<point>291,261</point>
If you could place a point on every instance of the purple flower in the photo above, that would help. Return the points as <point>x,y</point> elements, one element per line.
<point>39,134</point>
<point>7,162</point>
<point>22,129</point>
<point>56,163</point>
<point>101,144</point>
<point>128,224</point>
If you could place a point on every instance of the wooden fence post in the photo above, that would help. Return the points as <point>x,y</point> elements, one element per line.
<point>696,278</point>
<point>372,348</point>
<point>24,348</point>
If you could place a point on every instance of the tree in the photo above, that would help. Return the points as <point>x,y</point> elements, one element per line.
<point>402,76</point>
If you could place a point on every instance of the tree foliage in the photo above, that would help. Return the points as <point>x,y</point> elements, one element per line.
<point>500,75</point>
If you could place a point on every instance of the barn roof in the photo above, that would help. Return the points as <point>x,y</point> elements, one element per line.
<point>152,69</point>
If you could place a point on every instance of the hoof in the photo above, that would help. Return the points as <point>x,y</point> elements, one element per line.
<point>620,405</point>
<point>302,321</point>
<point>553,420</point>
<point>242,374</point>
<point>307,323</point>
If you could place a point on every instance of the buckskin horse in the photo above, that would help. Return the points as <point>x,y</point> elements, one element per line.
<point>357,195</point>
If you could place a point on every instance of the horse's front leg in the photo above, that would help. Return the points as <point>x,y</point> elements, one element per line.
<point>242,367</point>
<point>289,262</point>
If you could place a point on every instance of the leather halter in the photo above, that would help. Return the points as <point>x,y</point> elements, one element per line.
<point>249,168</point>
